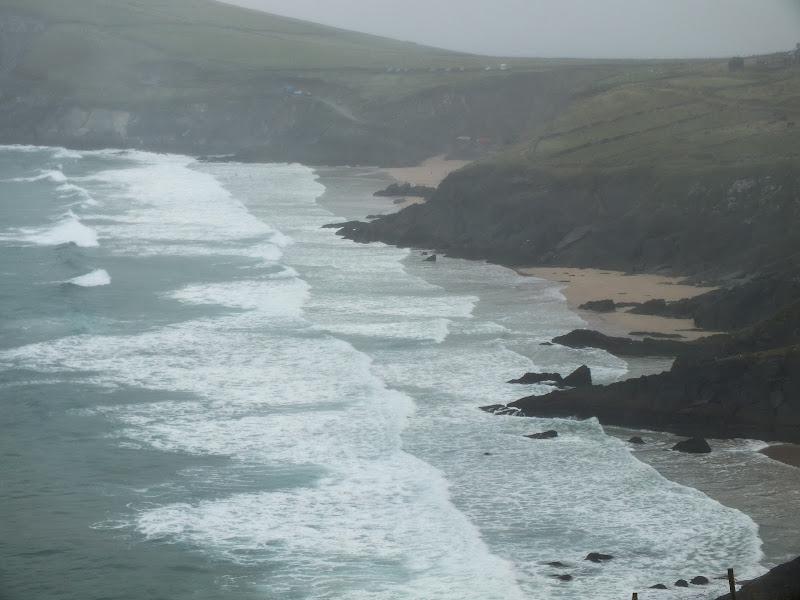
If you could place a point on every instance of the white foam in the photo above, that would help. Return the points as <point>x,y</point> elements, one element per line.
<point>66,153</point>
<point>70,190</point>
<point>167,205</point>
<point>95,278</point>
<point>67,229</point>
<point>272,297</point>
<point>53,175</point>
<point>361,521</point>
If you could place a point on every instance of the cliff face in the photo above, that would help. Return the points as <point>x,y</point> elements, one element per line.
<point>749,396</point>
<point>734,385</point>
<point>639,220</point>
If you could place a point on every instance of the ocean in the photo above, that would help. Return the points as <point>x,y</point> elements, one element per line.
<point>207,395</point>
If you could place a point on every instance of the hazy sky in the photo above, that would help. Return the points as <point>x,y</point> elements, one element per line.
<point>585,28</point>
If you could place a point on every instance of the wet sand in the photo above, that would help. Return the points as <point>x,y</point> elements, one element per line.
<point>788,454</point>
<point>430,172</point>
<point>584,285</point>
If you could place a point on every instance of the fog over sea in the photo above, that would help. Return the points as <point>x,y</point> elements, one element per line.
<point>205,396</point>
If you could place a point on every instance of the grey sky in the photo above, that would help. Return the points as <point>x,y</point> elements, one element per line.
<point>585,28</point>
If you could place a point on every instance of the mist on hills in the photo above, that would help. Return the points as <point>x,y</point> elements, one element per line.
<point>577,28</point>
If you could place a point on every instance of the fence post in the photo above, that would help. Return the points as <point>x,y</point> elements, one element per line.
<point>732,583</point>
<point>635,596</point>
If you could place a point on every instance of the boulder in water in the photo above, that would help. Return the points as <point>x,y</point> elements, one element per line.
<point>544,435</point>
<point>693,446</point>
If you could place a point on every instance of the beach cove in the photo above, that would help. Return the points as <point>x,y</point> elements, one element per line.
<point>263,407</point>
<point>738,474</point>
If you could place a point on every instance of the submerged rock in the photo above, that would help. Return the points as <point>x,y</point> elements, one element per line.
<point>636,440</point>
<point>544,435</point>
<point>431,258</point>
<point>699,580</point>
<point>681,583</point>
<point>597,557</point>
<point>693,446</point>
<point>500,409</point>
<point>564,577</point>
<point>530,378</point>
<point>659,586</point>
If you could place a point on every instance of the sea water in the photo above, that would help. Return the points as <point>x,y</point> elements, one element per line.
<point>207,395</point>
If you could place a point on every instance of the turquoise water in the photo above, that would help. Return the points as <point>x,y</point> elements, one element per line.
<point>206,395</point>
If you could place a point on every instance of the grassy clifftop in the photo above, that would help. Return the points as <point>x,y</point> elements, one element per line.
<point>685,117</point>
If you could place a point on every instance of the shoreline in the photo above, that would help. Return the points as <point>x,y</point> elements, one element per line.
<point>584,285</point>
<point>430,172</point>
<point>579,286</point>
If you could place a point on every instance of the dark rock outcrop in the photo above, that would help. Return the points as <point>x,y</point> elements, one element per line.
<point>636,440</point>
<point>736,306</point>
<point>586,338</point>
<point>431,258</point>
<point>656,306</point>
<point>681,583</point>
<point>532,378</point>
<point>693,446</point>
<point>599,306</point>
<point>753,396</point>
<point>780,583</point>
<point>743,385</point>
<point>659,586</point>
<point>699,580</point>
<point>406,189</point>
<point>597,557</point>
<point>500,409</point>
<point>544,435</point>
<point>633,221</point>
<point>580,377</point>
<point>564,577</point>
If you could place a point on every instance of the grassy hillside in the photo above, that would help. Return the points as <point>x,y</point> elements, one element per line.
<point>689,117</point>
<point>121,49</point>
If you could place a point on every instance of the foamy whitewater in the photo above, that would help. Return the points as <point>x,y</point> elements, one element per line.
<point>206,395</point>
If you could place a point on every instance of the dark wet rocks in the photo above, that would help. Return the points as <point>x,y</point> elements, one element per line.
<point>681,583</point>
<point>543,435</point>
<point>743,385</point>
<point>500,409</point>
<point>636,440</point>
<point>406,189</point>
<point>599,306</point>
<point>431,258</point>
<point>699,580</point>
<point>693,446</point>
<point>531,378</point>
<point>580,377</point>
<point>619,346</point>
<point>564,577</point>
<point>597,557</point>
<point>656,306</point>
<point>782,581</point>
<point>659,586</point>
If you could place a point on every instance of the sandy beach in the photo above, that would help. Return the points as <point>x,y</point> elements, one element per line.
<point>430,172</point>
<point>584,285</point>
<point>786,453</point>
